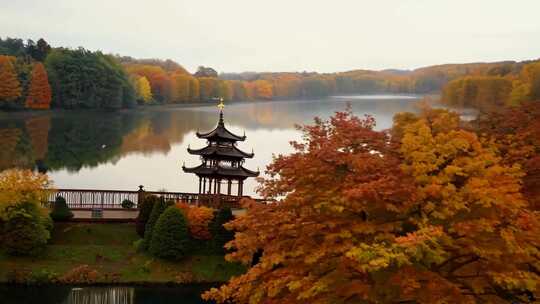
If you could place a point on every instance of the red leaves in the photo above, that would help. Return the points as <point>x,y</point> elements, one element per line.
<point>428,216</point>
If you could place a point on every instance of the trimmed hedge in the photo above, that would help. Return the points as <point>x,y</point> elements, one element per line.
<point>220,235</point>
<point>61,210</point>
<point>158,208</point>
<point>145,209</point>
<point>170,236</point>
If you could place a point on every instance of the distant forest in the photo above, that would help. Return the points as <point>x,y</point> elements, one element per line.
<point>35,75</point>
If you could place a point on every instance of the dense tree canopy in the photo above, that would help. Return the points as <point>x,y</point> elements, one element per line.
<point>84,79</point>
<point>430,214</point>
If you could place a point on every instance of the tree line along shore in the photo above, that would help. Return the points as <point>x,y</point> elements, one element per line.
<point>35,75</point>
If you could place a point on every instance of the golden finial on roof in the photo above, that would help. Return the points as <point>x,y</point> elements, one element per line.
<point>221,105</point>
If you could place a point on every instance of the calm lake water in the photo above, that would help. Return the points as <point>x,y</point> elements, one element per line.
<point>119,151</point>
<point>189,294</point>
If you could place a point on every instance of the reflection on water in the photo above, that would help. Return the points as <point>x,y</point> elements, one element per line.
<point>126,149</point>
<point>187,294</point>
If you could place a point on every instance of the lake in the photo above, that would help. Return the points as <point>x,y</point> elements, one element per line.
<point>119,151</point>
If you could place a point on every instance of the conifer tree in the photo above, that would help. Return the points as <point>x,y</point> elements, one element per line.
<point>10,87</point>
<point>39,95</point>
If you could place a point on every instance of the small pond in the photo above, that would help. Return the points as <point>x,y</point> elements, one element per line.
<point>187,294</point>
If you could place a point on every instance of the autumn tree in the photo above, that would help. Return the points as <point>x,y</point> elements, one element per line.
<point>531,73</point>
<point>483,92</point>
<point>194,89</point>
<point>515,131</point>
<point>209,88</point>
<point>159,80</point>
<point>431,216</point>
<point>143,89</point>
<point>39,95</point>
<point>263,89</point>
<point>10,88</point>
<point>181,88</point>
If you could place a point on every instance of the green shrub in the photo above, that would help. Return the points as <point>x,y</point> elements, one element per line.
<point>158,208</point>
<point>138,245</point>
<point>170,236</point>
<point>127,204</point>
<point>25,230</point>
<point>145,209</point>
<point>220,235</point>
<point>61,210</point>
<point>42,276</point>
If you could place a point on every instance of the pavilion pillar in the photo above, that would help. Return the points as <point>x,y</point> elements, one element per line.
<point>200,184</point>
<point>204,185</point>
<point>219,186</point>
<point>210,186</point>
<point>240,187</point>
<point>229,186</point>
<point>215,185</point>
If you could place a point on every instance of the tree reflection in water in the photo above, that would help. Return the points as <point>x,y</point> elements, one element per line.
<point>121,150</point>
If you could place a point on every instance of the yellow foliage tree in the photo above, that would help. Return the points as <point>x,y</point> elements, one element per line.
<point>23,186</point>
<point>263,89</point>
<point>194,89</point>
<point>143,89</point>
<point>531,76</point>
<point>181,88</point>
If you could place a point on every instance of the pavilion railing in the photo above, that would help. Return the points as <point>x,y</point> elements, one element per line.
<point>112,199</point>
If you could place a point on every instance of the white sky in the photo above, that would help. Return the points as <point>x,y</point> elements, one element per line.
<point>286,35</point>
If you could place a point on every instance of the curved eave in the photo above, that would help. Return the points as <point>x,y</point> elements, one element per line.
<point>217,152</point>
<point>250,173</point>
<point>220,133</point>
<point>233,172</point>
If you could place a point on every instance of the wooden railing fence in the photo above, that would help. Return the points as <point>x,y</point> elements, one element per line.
<point>112,199</point>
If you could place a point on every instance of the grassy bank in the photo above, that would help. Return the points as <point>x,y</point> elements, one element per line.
<point>108,249</point>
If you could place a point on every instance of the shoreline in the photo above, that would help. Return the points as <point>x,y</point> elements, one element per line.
<point>143,108</point>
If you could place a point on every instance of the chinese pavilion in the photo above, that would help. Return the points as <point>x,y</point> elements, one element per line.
<point>221,161</point>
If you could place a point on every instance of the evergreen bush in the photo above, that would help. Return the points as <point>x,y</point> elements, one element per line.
<point>145,209</point>
<point>24,232</point>
<point>158,208</point>
<point>170,235</point>
<point>127,204</point>
<point>61,211</point>
<point>220,235</point>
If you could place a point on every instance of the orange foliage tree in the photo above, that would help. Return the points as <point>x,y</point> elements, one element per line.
<point>208,88</point>
<point>39,94</point>
<point>10,88</point>
<point>430,216</point>
<point>198,217</point>
<point>516,134</point>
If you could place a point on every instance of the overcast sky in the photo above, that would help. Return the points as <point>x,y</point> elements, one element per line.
<point>286,35</point>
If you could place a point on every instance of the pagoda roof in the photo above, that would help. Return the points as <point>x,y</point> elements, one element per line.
<point>221,151</point>
<point>220,133</point>
<point>222,171</point>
